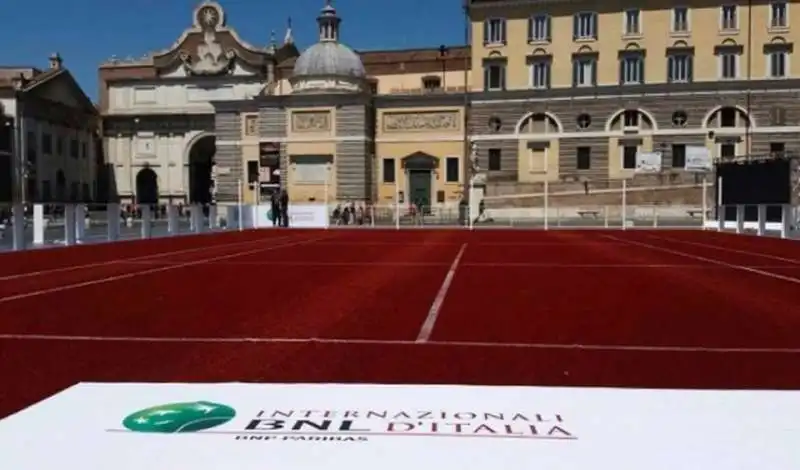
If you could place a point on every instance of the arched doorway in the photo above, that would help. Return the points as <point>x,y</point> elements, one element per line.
<point>201,162</point>
<point>146,186</point>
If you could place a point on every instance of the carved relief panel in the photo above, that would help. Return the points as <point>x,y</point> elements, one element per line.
<point>250,128</point>
<point>421,121</point>
<point>311,121</point>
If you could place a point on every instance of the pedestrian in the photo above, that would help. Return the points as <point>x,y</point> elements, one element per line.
<point>275,209</point>
<point>284,207</point>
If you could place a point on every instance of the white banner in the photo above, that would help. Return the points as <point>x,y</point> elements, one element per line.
<point>698,159</point>
<point>648,162</point>
<point>300,216</point>
<point>130,426</point>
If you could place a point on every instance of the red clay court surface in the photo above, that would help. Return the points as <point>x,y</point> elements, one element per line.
<point>685,309</point>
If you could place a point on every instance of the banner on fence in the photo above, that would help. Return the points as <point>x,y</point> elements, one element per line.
<point>300,216</point>
<point>648,162</point>
<point>698,159</point>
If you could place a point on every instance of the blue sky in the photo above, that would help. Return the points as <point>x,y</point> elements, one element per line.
<point>87,32</point>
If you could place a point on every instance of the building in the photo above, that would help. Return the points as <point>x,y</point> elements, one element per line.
<point>567,93</point>
<point>50,119</point>
<point>572,91</point>
<point>329,123</point>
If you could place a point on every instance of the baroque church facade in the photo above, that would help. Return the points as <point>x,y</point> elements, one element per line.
<point>214,119</point>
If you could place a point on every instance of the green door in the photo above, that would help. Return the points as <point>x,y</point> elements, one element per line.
<point>419,188</point>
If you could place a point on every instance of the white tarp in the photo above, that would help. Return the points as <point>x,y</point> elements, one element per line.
<point>698,158</point>
<point>648,162</point>
<point>298,427</point>
<point>300,216</point>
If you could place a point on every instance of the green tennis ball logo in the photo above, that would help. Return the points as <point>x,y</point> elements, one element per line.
<point>179,417</point>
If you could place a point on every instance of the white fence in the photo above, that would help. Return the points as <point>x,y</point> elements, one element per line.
<point>76,224</point>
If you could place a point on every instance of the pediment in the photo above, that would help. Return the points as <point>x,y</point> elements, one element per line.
<point>59,86</point>
<point>211,47</point>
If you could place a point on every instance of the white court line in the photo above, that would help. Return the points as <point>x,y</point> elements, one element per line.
<point>423,264</point>
<point>730,250</point>
<point>708,260</point>
<point>433,313</point>
<point>120,277</point>
<point>380,342</point>
<point>44,272</point>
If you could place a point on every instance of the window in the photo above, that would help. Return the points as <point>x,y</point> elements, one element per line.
<point>494,76</point>
<point>494,31</point>
<point>584,26</point>
<point>777,64</point>
<point>59,145</point>
<point>540,74</point>
<point>629,156</point>
<point>431,83</point>
<point>584,158</point>
<point>73,148</point>
<point>452,170</point>
<point>680,20</point>
<point>729,65</point>
<point>631,71</point>
<point>539,28</point>
<point>679,68</point>
<point>47,144</point>
<point>777,148</point>
<point>84,150</point>
<point>727,150</point>
<point>729,18</point>
<point>632,26</point>
<point>495,160</point>
<point>584,71</point>
<point>32,148</point>
<point>630,119</point>
<point>778,17</point>
<point>678,155</point>
<point>252,171</point>
<point>388,170</point>
<point>727,117</point>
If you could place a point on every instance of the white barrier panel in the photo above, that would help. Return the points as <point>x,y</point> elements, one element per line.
<point>300,216</point>
<point>395,427</point>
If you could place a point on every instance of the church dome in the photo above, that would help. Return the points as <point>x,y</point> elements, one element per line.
<point>328,65</point>
<point>329,58</point>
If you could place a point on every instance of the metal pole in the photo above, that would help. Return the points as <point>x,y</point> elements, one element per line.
<point>747,129</point>
<point>546,204</point>
<point>239,204</point>
<point>397,205</point>
<point>704,185</point>
<point>624,204</point>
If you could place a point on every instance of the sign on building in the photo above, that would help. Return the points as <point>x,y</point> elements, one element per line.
<point>698,159</point>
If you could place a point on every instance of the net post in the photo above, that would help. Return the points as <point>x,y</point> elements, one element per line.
<point>546,204</point>
<point>704,201</point>
<point>239,203</point>
<point>396,205</point>
<point>624,204</point>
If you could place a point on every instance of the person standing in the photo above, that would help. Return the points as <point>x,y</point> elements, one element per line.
<point>275,209</point>
<point>284,208</point>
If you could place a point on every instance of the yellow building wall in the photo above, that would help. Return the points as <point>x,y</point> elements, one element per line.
<point>311,192</point>
<point>442,142</point>
<point>529,171</point>
<point>656,36</point>
<point>452,80</point>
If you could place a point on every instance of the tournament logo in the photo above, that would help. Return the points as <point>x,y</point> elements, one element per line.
<point>179,417</point>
